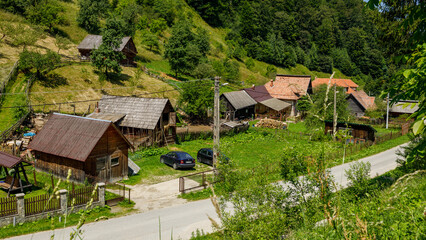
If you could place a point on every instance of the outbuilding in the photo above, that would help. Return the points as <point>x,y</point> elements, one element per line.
<point>144,121</point>
<point>88,148</point>
<point>92,42</point>
<point>357,131</point>
<point>238,105</point>
<point>267,106</point>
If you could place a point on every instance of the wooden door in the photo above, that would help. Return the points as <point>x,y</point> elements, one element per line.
<point>172,119</point>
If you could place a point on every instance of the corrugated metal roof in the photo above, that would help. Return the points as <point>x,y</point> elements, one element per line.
<point>399,107</point>
<point>258,93</point>
<point>276,104</point>
<point>239,99</point>
<point>8,160</point>
<point>113,117</point>
<point>94,41</point>
<point>69,136</point>
<point>140,112</point>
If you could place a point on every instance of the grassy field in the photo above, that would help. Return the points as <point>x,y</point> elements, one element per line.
<point>258,146</point>
<point>78,82</point>
<point>16,97</point>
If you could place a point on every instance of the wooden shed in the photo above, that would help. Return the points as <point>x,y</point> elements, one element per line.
<point>357,131</point>
<point>90,148</point>
<point>267,106</point>
<point>144,121</point>
<point>91,42</point>
<point>238,105</point>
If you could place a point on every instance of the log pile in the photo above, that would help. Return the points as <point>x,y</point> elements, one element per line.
<point>271,123</point>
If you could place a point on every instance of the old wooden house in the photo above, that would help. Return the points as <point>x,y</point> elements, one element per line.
<point>144,121</point>
<point>290,88</point>
<point>267,106</point>
<point>357,131</point>
<point>91,42</point>
<point>359,102</point>
<point>238,105</point>
<point>86,148</point>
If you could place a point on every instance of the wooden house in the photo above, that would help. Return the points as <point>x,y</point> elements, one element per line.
<point>359,102</point>
<point>238,105</point>
<point>401,107</point>
<point>91,42</point>
<point>89,148</point>
<point>290,88</point>
<point>267,106</point>
<point>144,121</point>
<point>357,131</point>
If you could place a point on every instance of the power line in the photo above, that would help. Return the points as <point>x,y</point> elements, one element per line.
<point>95,100</point>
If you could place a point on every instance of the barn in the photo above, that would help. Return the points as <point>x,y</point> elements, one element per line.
<point>89,148</point>
<point>357,131</point>
<point>267,106</point>
<point>144,121</point>
<point>238,105</point>
<point>91,42</point>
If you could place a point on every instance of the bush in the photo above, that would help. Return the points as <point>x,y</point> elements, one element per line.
<point>293,164</point>
<point>358,176</point>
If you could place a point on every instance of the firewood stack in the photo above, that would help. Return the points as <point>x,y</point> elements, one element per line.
<point>271,123</point>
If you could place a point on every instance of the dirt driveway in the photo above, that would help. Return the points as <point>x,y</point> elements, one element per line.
<point>156,196</point>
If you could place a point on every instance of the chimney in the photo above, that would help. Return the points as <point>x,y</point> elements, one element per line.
<point>253,87</point>
<point>272,83</point>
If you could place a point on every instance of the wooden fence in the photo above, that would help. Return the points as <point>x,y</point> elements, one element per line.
<point>8,206</point>
<point>10,76</point>
<point>82,196</point>
<point>41,203</point>
<point>196,180</point>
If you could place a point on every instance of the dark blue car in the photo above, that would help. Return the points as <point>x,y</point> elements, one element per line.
<point>178,159</point>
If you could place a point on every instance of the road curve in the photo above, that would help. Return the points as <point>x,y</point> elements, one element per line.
<point>180,221</point>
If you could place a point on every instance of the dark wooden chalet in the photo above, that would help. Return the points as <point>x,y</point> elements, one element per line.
<point>238,105</point>
<point>359,102</point>
<point>91,42</point>
<point>144,121</point>
<point>89,148</point>
<point>357,131</point>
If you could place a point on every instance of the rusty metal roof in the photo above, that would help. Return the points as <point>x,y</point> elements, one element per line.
<point>9,161</point>
<point>69,136</point>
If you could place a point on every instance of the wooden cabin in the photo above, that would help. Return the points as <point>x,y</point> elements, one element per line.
<point>267,106</point>
<point>144,121</point>
<point>359,102</point>
<point>91,42</point>
<point>357,131</point>
<point>89,148</point>
<point>238,105</point>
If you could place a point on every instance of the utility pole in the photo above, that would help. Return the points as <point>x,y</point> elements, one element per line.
<point>216,121</point>
<point>334,114</point>
<point>387,111</point>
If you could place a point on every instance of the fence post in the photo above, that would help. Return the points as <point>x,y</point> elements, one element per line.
<point>101,193</point>
<point>181,185</point>
<point>63,200</point>
<point>20,206</point>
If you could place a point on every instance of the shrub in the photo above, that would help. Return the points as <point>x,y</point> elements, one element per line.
<point>358,175</point>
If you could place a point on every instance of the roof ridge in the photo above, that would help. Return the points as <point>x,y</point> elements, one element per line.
<point>87,118</point>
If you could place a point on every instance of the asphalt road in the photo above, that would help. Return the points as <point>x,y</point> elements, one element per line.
<point>180,221</point>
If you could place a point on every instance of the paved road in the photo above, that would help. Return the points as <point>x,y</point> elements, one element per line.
<point>182,220</point>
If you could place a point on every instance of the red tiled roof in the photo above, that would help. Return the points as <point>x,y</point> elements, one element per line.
<point>346,83</point>
<point>288,87</point>
<point>365,100</point>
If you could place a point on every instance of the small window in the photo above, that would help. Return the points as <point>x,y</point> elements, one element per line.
<point>100,164</point>
<point>114,161</point>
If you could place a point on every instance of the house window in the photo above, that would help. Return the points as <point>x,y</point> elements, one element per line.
<point>115,161</point>
<point>100,163</point>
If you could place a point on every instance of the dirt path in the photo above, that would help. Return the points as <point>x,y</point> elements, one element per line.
<point>156,196</point>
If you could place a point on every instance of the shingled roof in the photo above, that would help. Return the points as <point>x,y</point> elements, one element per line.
<point>405,107</point>
<point>8,160</point>
<point>363,99</point>
<point>289,87</point>
<point>345,83</point>
<point>70,136</point>
<point>140,112</point>
<point>239,99</point>
<point>258,93</point>
<point>94,41</point>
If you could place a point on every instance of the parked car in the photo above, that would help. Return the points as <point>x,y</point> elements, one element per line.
<point>178,159</point>
<point>205,155</point>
